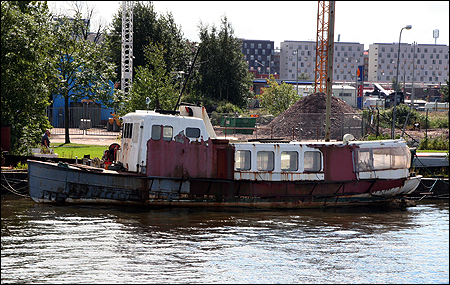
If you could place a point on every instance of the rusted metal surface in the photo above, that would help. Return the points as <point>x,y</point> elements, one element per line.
<point>50,183</point>
<point>179,158</point>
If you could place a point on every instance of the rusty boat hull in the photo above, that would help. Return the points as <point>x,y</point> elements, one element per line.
<point>64,184</point>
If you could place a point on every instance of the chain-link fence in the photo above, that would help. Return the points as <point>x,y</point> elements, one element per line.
<point>312,126</point>
<point>86,120</point>
<point>304,126</point>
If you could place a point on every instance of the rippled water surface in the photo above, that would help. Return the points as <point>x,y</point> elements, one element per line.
<point>94,244</point>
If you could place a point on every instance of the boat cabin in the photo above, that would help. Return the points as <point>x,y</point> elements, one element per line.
<point>183,144</point>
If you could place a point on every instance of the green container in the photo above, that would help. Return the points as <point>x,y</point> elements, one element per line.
<point>239,123</point>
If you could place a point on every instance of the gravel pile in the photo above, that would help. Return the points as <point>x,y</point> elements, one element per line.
<point>307,117</point>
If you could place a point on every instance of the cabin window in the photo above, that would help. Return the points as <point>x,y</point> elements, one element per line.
<point>127,131</point>
<point>289,161</point>
<point>370,159</point>
<point>243,158</point>
<point>167,133</point>
<point>313,161</point>
<point>265,160</point>
<point>156,132</point>
<point>193,132</point>
<point>135,136</point>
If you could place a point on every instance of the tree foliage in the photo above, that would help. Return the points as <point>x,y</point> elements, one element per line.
<point>152,82</point>
<point>224,72</point>
<point>148,28</point>
<point>444,92</point>
<point>82,66</point>
<point>26,70</point>
<point>277,98</point>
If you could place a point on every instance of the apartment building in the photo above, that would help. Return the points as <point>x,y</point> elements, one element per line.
<point>297,57</point>
<point>260,55</point>
<point>380,62</point>
<point>429,62</point>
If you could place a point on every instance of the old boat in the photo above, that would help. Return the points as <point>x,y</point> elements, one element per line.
<point>174,158</point>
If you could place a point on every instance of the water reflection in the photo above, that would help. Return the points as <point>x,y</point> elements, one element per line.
<point>92,244</point>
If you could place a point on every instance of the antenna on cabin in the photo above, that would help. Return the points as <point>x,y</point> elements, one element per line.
<point>187,78</point>
<point>147,101</point>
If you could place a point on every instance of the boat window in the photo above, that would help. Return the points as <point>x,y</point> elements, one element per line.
<point>364,160</point>
<point>400,157</point>
<point>289,160</point>
<point>135,132</point>
<point>167,133</point>
<point>156,132</point>
<point>192,132</point>
<point>243,158</point>
<point>370,159</point>
<point>265,160</point>
<point>127,131</point>
<point>313,161</point>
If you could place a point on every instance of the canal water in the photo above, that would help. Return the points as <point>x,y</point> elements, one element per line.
<point>100,244</point>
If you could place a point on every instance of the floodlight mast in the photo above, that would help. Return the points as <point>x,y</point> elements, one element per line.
<point>127,48</point>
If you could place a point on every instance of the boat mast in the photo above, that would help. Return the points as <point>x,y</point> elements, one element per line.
<point>187,79</point>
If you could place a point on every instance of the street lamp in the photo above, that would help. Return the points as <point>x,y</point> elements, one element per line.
<point>296,66</point>
<point>259,63</point>
<point>408,27</point>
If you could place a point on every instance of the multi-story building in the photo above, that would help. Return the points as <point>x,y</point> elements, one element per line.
<point>380,61</point>
<point>260,55</point>
<point>297,57</point>
<point>430,64</point>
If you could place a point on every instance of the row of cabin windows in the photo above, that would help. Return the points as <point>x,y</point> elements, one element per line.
<point>265,160</point>
<point>167,132</point>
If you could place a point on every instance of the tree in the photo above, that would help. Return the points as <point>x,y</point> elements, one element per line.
<point>444,92</point>
<point>26,70</point>
<point>277,98</point>
<point>396,86</point>
<point>303,76</point>
<point>148,28</point>
<point>224,73</point>
<point>153,83</point>
<point>82,65</point>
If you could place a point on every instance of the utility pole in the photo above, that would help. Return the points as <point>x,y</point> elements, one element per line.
<point>330,54</point>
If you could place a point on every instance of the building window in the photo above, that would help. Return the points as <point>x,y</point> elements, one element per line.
<point>252,45</point>
<point>269,46</point>
<point>259,45</point>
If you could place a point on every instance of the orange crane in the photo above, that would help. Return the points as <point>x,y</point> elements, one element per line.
<point>324,55</point>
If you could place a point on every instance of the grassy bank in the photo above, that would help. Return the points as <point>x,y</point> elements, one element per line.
<point>73,150</point>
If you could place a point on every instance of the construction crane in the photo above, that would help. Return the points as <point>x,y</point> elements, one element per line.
<point>324,55</point>
<point>127,48</point>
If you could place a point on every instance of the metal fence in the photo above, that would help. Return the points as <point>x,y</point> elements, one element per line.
<point>311,126</point>
<point>85,120</point>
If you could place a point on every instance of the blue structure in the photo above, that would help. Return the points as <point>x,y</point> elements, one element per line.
<point>78,109</point>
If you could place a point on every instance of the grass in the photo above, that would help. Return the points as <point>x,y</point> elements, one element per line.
<point>73,150</point>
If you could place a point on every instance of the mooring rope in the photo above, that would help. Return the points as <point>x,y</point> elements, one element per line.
<point>12,190</point>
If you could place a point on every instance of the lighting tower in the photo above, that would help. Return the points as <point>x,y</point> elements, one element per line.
<point>127,47</point>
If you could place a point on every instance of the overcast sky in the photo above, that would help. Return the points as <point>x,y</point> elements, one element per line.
<point>365,22</point>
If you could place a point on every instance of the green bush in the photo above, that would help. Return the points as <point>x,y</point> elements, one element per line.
<point>438,143</point>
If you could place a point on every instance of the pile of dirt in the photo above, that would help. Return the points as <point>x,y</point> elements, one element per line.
<point>304,121</point>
